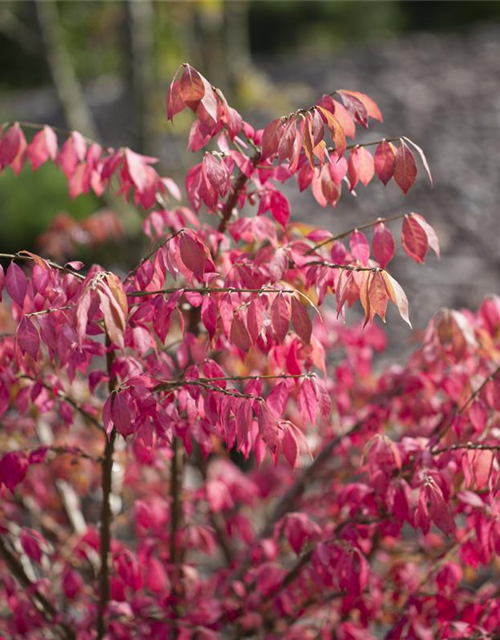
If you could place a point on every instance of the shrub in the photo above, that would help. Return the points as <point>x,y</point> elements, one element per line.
<point>193,450</point>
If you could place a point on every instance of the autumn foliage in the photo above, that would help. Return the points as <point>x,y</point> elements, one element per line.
<point>201,448</point>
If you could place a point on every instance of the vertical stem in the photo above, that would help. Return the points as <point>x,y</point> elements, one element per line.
<point>176,517</point>
<point>106,514</point>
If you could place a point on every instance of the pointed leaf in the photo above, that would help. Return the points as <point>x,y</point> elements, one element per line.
<point>405,169</point>
<point>414,239</point>
<point>280,317</point>
<point>301,321</point>
<point>16,283</point>
<point>383,244</point>
<point>385,157</point>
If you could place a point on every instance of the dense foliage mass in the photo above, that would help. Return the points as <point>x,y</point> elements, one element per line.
<point>194,450</point>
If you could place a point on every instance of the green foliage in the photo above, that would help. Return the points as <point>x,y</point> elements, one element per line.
<point>27,212</point>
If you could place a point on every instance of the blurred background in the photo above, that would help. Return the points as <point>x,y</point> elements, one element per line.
<point>104,67</point>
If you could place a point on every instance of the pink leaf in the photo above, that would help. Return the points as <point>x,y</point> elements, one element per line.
<point>383,244</point>
<point>193,255</point>
<point>13,467</point>
<point>42,147</point>
<point>290,446</point>
<point>405,169</point>
<point>16,283</point>
<point>359,247</point>
<point>280,208</point>
<point>414,239</point>
<point>239,334</point>
<point>280,317</point>
<point>308,401</point>
<point>28,338</point>
<point>301,321</point>
<point>10,146</point>
<point>268,427</point>
<point>385,157</point>
<point>120,411</point>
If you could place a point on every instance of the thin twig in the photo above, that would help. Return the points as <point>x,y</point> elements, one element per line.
<point>207,290</point>
<point>344,234</point>
<point>236,191</point>
<point>440,435</point>
<point>156,248</point>
<point>51,263</point>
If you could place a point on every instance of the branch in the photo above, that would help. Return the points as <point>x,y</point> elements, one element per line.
<point>344,234</point>
<point>54,265</point>
<point>207,290</point>
<point>176,518</point>
<point>186,382</point>
<point>42,604</point>
<point>460,410</point>
<point>106,513</point>
<point>290,498</point>
<point>76,405</point>
<point>217,518</point>
<point>232,200</point>
<point>472,446</point>
<point>161,244</point>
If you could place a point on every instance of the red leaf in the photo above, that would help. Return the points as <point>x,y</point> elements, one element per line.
<point>193,255</point>
<point>336,129</point>
<point>359,247</point>
<point>255,318</point>
<point>268,427</point>
<point>280,208</point>
<point>307,401</point>
<point>378,295</point>
<point>361,167</point>
<point>42,147</point>
<point>271,138</point>
<point>369,105</point>
<point>28,338</point>
<point>216,173</point>
<point>239,334</point>
<point>478,414</point>
<point>81,315</point>
<point>13,467</point>
<point>432,238</point>
<point>383,244</point>
<point>192,89</point>
<point>121,414</point>
<point>72,153</point>
<point>10,146</point>
<point>414,239</point>
<point>422,157</point>
<point>301,321</point>
<point>30,542</point>
<point>16,283</point>
<point>405,169</point>
<point>385,157</point>
<point>277,399</point>
<point>209,315</point>
<point>290,447</point>
<point>280,317</point>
